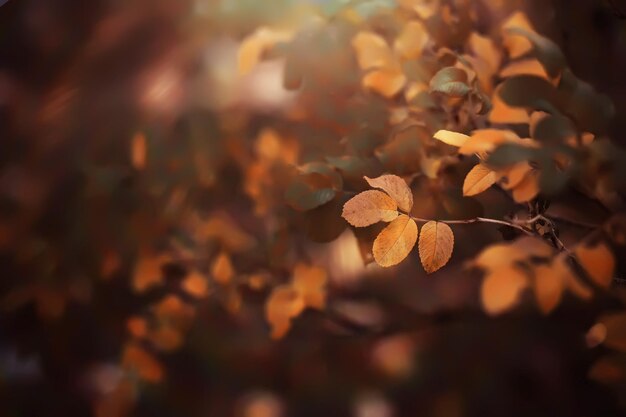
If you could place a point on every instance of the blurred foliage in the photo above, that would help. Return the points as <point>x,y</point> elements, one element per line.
<point>230,208</point>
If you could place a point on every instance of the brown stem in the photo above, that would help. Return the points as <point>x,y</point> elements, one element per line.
<point>479,220</point>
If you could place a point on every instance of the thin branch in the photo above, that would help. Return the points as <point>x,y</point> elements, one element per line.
<point>479,220</point>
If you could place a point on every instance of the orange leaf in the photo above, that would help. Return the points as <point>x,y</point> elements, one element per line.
<point>310,282</point>
<point>549,284</point>
<point>369,207</point>
<point>397,189</point>
<point>195,284</point>
<point>527,189</point>
<point>395,241</point>
<point>411,41</point>
<point>372,51</point>
<point>387,82</point>
<point>501,289</point>
<point>478,180</point>
<point>142,363</point>
<point>222,269</point>
<point>436,245</point>
<point>598,262</point>
<point>283,304</point>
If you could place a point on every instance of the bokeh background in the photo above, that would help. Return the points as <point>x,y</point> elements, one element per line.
<point>77,81</point>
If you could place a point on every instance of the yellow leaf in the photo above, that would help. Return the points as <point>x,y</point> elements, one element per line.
<point>451,138</point>
<point>397,189</point>
<point>372,51</point>
<point>310,282</point>
<point>222,269</point>
<point>386,82</point>
<point>478,180</point>
<point>501,289</point>
<point>411,41</point>
<point>435,245</point>
<point>527,189</point>
<point>369,207</point>
<point>395,242</point>
<point>139,151</point>
<point>283,304</point>
<point>549,284</point>
<point>598,262</point>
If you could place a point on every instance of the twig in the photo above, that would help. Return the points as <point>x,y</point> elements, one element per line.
<point>479,220</point>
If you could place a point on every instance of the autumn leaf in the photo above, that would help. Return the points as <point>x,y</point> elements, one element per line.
<point>435,245</point>
<point>283,304</point>
<point>195,284</point>
<point>412,40</point>
<point>501,289</point>
<point>369,207</point>
<point>478,180</point>
<point>527,189</point>
<point>386,81</point>
<point>136,359</point>
<point>310,282</point>
<point>397,189</point>
<point>451,138</point>
<point>222,269</point>
<point>549,284</point>
<point>598,262</point>
<point>372,51</point>
<point>147,271</point>
<point>395,241</point>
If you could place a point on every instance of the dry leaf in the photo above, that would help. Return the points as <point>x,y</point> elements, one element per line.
<point>598,262</point>
<point>451,138</point>
<point>395,242</point>
<point>435,245</point>
<point>369,207</point>
<point>501,289</point>
<point>397,189</point>
<point>478,180</point>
